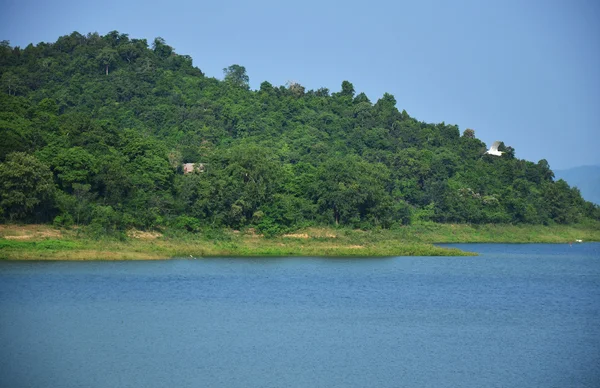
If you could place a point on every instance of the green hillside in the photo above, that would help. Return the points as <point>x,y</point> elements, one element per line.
<point>95,129</point>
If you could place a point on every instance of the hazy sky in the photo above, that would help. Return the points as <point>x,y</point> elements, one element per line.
<point>526,72</point>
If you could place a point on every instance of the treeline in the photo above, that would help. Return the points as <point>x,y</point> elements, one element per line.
<point>94,131</point>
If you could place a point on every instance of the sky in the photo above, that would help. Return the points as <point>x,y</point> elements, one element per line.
<point>526,72</point>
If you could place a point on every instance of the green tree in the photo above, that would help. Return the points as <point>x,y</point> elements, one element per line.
<point>350,190</point>
<point>11,83</point>
<point>15,129</point>
<point>252,175</point>
<point>347,89</point>
<point>26,187</point>
<point>469,133</point>
<point>107,57</point>
<point>544,170</point>
<point>74,165</point>
<point>236,75</point>
<point>161,48</point>
<point>130,51</point>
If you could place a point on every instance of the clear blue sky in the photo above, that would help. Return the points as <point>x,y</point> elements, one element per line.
<point>526,72</point>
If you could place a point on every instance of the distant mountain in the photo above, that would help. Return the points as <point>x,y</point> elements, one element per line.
<point>585,178</point>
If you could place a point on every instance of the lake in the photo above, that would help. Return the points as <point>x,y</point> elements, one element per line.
<point>515,316</point>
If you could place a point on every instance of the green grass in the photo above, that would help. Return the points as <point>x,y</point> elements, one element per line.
<point>46,247</point>
<point>447,233</point>
<point>51,245</point>
<point>29,243</point>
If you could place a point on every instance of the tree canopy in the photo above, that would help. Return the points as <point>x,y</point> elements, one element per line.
<point>95,130</point>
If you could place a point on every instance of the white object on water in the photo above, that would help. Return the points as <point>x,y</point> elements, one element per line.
<point>494,149</point>
<point>578,240</point>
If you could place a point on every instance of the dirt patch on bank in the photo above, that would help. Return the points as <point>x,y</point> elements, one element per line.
<point>313,233</point>
<point>141,235</point>
<point>296,235</point>
<point>18,237</point>
<point>29,232</point>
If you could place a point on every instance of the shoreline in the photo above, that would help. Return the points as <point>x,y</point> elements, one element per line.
<point>44,242</point>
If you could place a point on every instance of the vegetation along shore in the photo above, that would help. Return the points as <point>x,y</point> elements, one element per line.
<point>42,242</point>
<point>116,147</point>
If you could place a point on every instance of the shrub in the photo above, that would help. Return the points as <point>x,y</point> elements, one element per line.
<point>191,224</point>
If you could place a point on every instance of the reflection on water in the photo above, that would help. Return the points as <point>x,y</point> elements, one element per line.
<point>517,315</point>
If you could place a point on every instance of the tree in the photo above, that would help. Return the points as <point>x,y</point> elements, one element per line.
<point>75,207</point>
<point>11,83</point>
<point>266,87</point>
<point>115,39</point>
<point>469,133</point>
<point>544,170</point>
<point>107,57</point>
<point>560,201</point>
<point>386,111</point>
<point>161,48</point>
<point>322,92</point>
<point>25,186</point>
<point>74,165</point>
<point>15,128</point>
<point>236,76</point>
<point>130,51</point>
<point>247,178</point>
<point>347,89</point>
<point>296,89</point>
<point>350,190</point>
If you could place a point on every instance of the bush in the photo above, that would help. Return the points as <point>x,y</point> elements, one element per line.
<point>270,228</point>
<point>105,222</point>
<point>63,221</point>
<point>191,224</point>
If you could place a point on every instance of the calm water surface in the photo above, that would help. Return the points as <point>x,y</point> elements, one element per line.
<point>516,316</point>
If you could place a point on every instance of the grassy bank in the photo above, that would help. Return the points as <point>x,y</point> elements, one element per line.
<point>448,233</point>
<point>40,242</point>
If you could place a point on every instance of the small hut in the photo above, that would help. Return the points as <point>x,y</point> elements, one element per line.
<point>191,167</point>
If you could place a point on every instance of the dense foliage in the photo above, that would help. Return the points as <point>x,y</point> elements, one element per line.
<point>94,130</point>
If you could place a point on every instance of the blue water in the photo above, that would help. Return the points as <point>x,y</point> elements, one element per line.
<point>515,316</point>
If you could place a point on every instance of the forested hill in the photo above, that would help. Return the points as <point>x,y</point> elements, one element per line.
<point>95,129</point>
